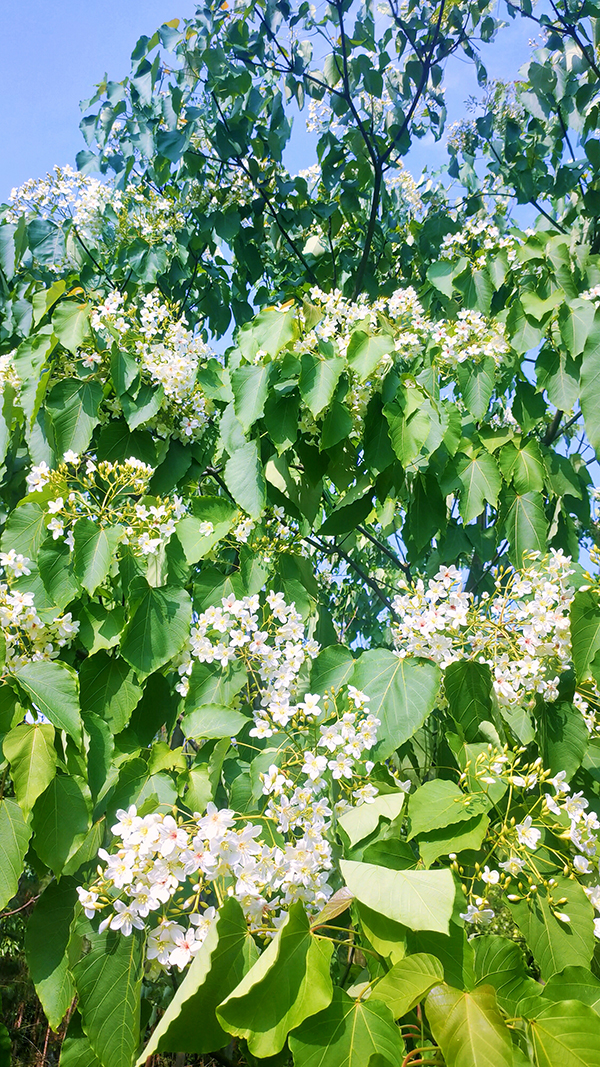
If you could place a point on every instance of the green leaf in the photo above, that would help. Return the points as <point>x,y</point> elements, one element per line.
<point>566,1035</point>
<point>108,981</point>
<point>71,324</point>
<point>409,424</point>
<point>477,385</point>
<point>442,803</point>
<point>421,900</point>
<point>245,479</point>
<point>556,944</point>
<point>98,627</point>
<point>271,330</point>
<point>365,352</point>
<point>212,684</point>
<point>95,552</point>
<point>46,942</point>
<point>468,689</point>
<point>288,983</point>
<point>14,839</point>
<point>250,385</point>
<point>108,689</point>
<point>405,985</point>
<point>564,738</point>
<point>53,689</point>
<point>499,962</point>
<point>525,525</point>
<point>440,275</point>
<point>56,572</point>
<point>213,720</point>
<point>332,669</point>
<point>61,819</point>
<point>74,406</point>
<point>33,370</point>
<point>318,379</point>
<point>574,983</point>
<point>589,397</point>
<point>158,627</point>
<point>76,1050</point>
<point>460,837</point>
<point>524,465</point>
<point>349,1033</point>
<point>144,406</point>
<point>214,509</point>
<point>215,971</point>
<point>361,821</point>
<point>558,374</point>
<point>402,694</point>
<point>480,482</point>
<point>25,530</point>
<point>29,749</point>
<point>468,1027</point>
<point>585,632</point>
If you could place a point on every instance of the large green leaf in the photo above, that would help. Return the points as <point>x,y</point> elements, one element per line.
<point>589,397</point>
<point>405,985</point>
<point>71,324</point>
<point>365,351</point>
<point>499,962</point>
<point>556,944</point>
<point>574,983</point>
<point>409,425</point>
<point>250,385</point>
<point>442,803</point>
<point>566,1034</point>
<point>215,971</point>
<point>480,482</point>
<point>158,627</point>
<point>108,689</point>
<point>217,510</point>
<point>76,1050</point>
<point>468,1027</point>
<point>564,738</point>
<point>421,900</point>
<point>523,464</point>
<point>14,839</point>
<point>31,365</point>
<point>468,689</point>
<point>272,329</point>
<point>332,669</point>
<point>318,379</point>
<point>361,821</point>
<point>585,631</point>
<point>29,749</point>
<point>95,552</point>
<point>25,530</point>
<point>477,386</point>
<point>245,479</point>
<point>213,720</point>
<point>288,983</point>
<point>61,820</point>
<point>53,689</point>
<point>349,1033</point>
<point>74,406</point>
<point>525,525</point>
<point>108,981</point>
<point>402,694</point>
<point>47,938</point>
<point>460,837</point>
<point>54,561</point>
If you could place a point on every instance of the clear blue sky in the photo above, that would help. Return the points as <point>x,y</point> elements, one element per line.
<point>55,51</point>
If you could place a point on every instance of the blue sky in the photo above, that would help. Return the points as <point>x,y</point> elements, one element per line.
<point>56,51</point>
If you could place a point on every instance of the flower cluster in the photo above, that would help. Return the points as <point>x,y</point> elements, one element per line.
<point>171,872</point>
<point>522,631</point>
<point>519,850</point>
<point>273,652</point>
<point>478,239</point>
<point>169,356</point>
<point>105,492</point>
<point>26,635</point>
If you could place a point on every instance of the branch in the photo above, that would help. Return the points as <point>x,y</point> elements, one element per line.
<point>384,548</point>
<point>334,550</point>
<point>267,202</point>
<point>552,431</point>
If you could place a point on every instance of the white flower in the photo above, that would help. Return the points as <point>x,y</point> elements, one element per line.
<point>313,765</point>
<point>513,866</point>
<point>582,865</point>
<point>88,898</point>
<point>206,528</point>
<point>15,562</point>
<point>70,457</point>
<point>490,877</point>
<point>126,918</point>
<point>597,928</point>
<point>527,834</point>
<point>38,477</point>
<point>477,915</point>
